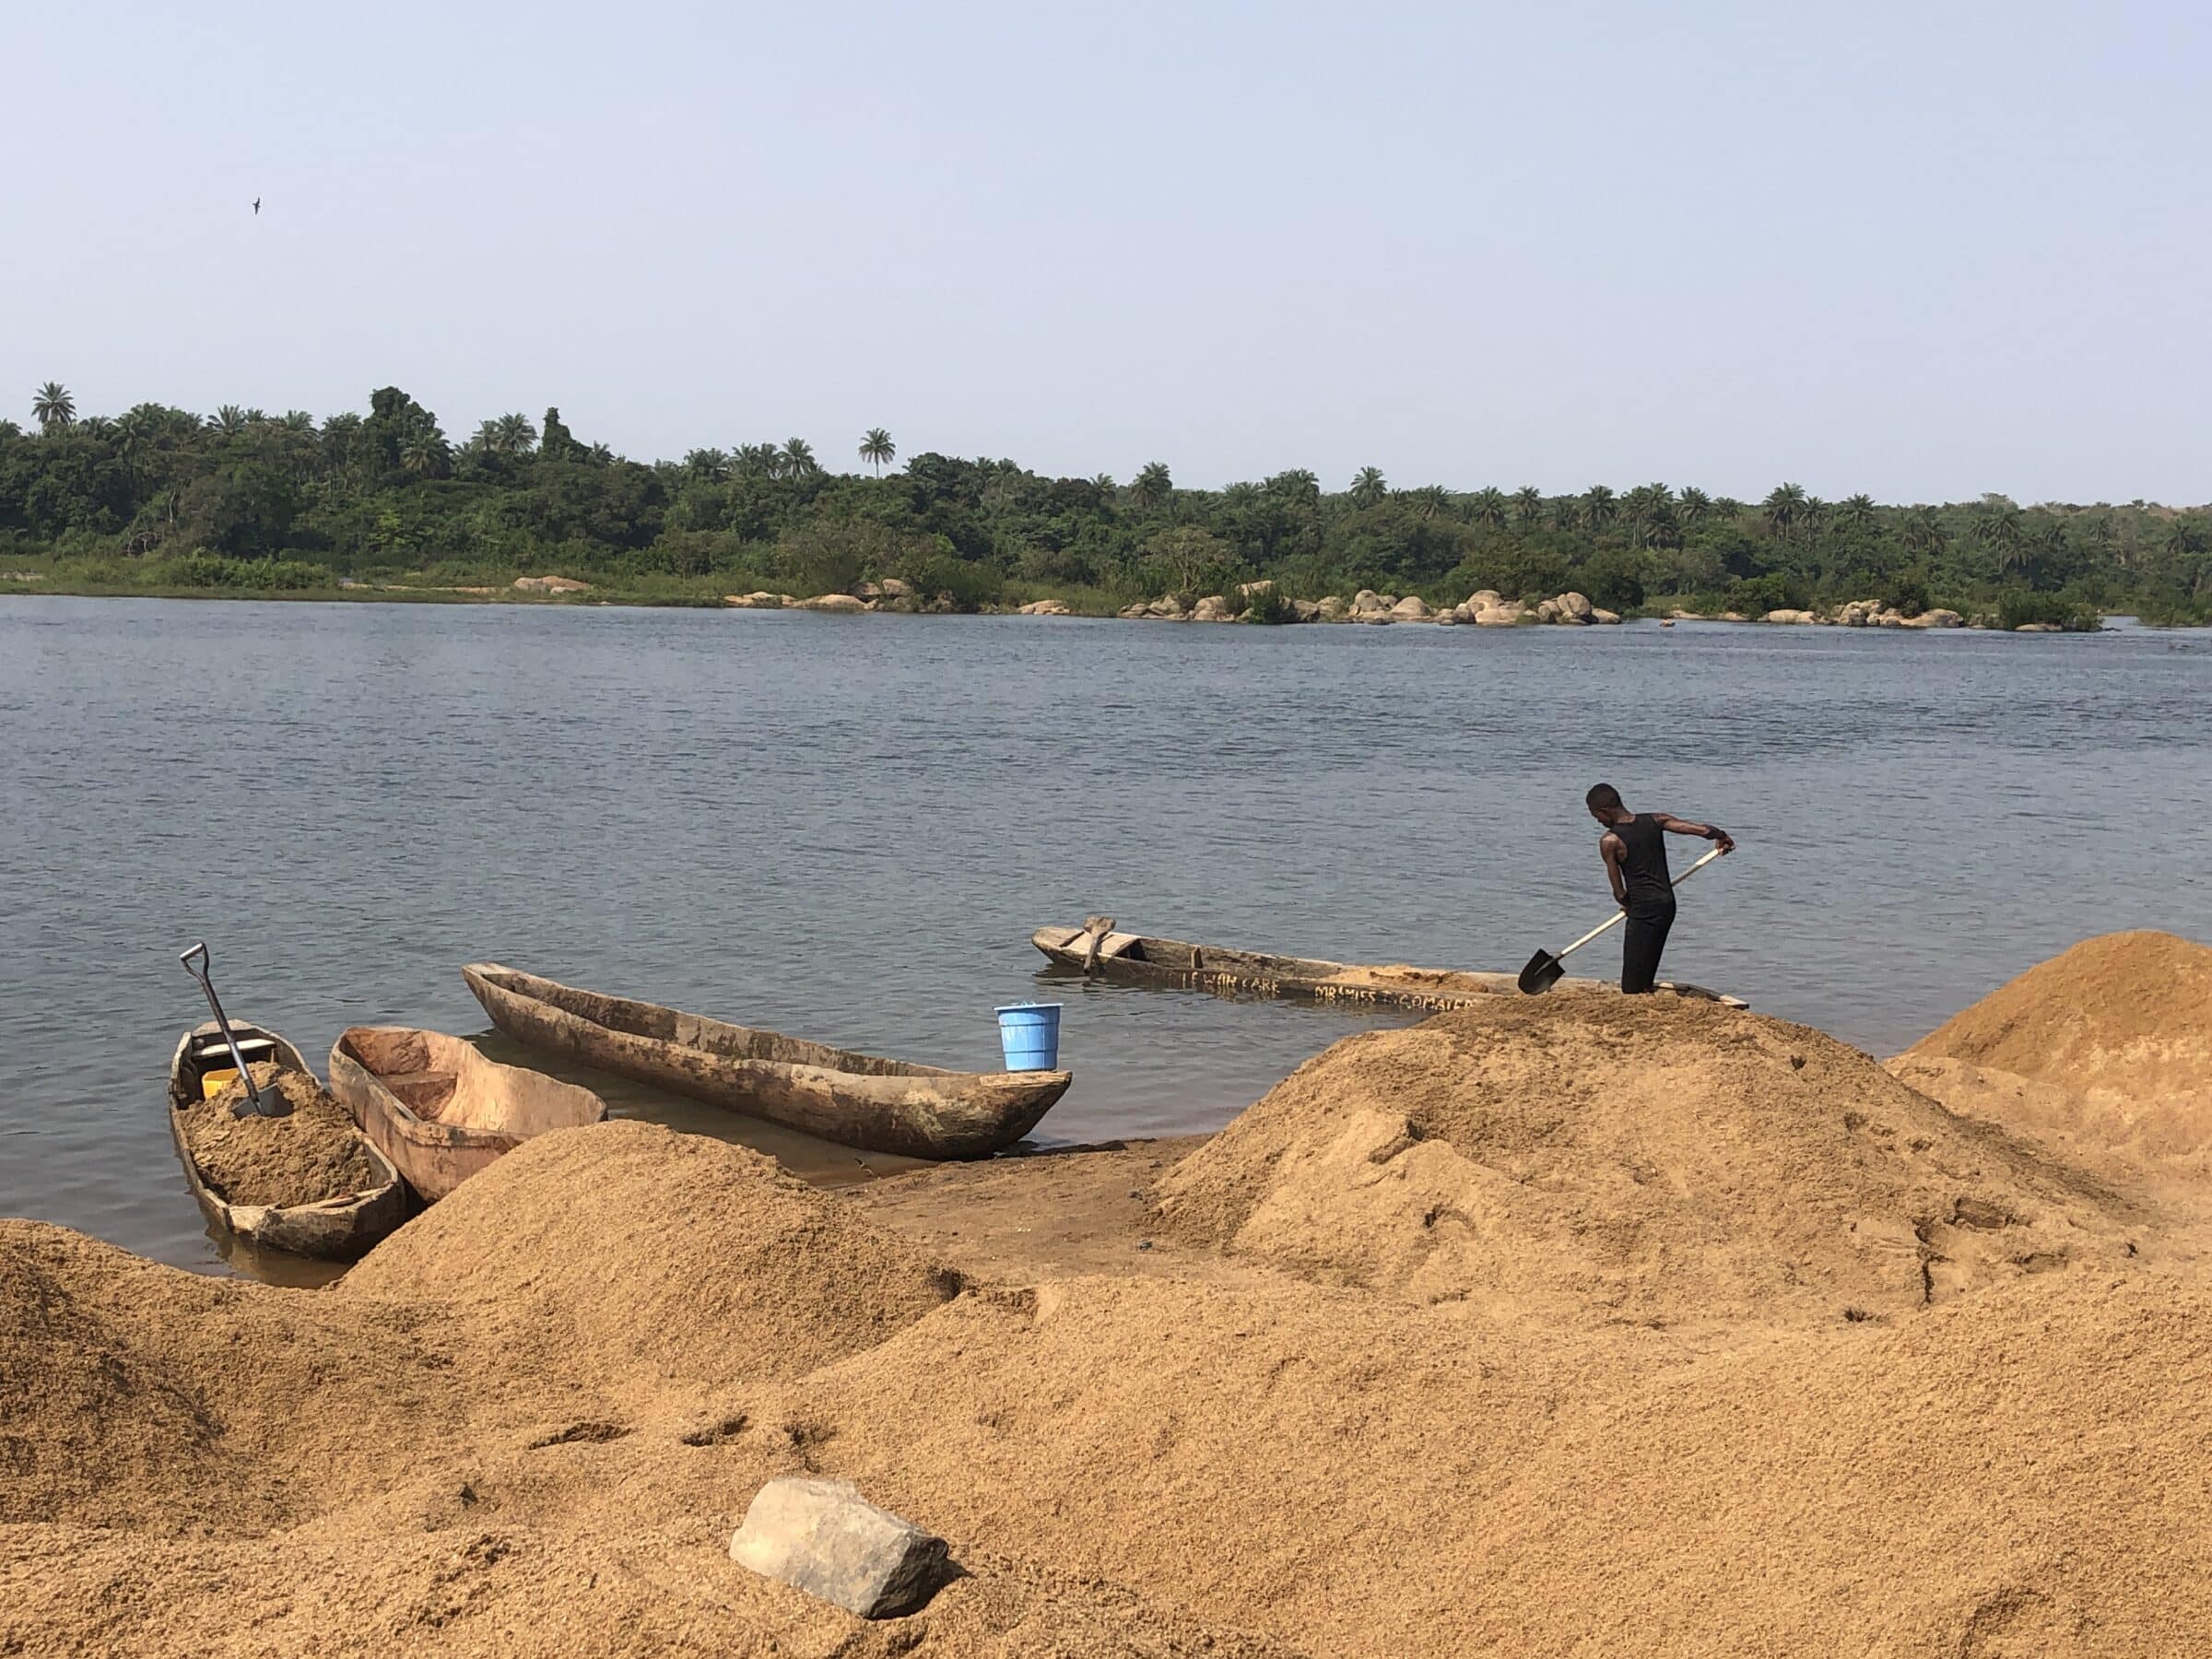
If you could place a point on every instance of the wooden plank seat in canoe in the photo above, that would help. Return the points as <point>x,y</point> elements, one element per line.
<point>862,1101</point>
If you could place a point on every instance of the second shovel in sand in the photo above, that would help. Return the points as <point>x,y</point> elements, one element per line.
<point>1545,970</point>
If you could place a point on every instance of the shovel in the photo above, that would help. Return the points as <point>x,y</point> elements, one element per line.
<point>195,964</point>
<point>1544,970</point>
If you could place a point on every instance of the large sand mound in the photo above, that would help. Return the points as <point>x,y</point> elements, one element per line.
<point>132,1394</point>
<point>598,1246</point>
<point>2123,1022</point>
<point>2018,1472</point>
<point>1656,1160</point>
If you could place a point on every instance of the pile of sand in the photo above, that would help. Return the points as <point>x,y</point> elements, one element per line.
<point>134,1395</point>
<point>2113,1039</point>
<point>624,1240</point>
<point>1652,1159</point>
<point>2017,1471</point>
<point>312,1153</point>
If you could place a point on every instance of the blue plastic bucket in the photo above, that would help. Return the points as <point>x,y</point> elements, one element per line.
<point>1029,1032</point>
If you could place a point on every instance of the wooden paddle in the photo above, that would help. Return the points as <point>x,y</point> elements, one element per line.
<point>1544,970</point>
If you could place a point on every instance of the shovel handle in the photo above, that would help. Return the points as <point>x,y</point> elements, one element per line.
<point>1621,915</point>
<point>195,964</point>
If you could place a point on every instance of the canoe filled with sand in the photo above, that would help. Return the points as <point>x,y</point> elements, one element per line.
<point>303,1180</point>
<point>855,1100</point>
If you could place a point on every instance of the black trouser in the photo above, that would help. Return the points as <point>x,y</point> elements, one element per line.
<point>1647,923</point>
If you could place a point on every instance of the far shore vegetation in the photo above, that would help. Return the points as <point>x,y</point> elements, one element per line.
<point>159,500</point>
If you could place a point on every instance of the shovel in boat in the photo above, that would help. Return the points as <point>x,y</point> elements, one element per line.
<point>1545,970</point>
<point>195,964</point>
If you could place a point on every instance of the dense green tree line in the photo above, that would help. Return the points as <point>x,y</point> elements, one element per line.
<point>244,498</point>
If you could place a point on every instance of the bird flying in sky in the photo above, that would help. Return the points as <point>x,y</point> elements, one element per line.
<point>256,207</point>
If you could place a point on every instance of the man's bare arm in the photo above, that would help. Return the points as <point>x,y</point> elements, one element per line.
<point>1675,826</point>
<point>1612,849</point>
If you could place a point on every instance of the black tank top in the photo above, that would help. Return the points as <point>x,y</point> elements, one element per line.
<point>1643,864</point>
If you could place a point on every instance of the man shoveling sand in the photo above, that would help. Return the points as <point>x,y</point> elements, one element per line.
<point>1634,849</point>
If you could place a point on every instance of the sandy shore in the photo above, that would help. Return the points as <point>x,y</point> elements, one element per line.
<point>1603,1326</point>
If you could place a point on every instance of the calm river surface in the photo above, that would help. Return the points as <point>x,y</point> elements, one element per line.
<point>846,827</point>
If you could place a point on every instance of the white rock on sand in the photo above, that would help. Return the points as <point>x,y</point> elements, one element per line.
<point>832,602</point>
<point>823,1538</point>
<point>550,585</point>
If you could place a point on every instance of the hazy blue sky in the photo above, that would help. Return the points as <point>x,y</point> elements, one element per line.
<point>1923,250</point>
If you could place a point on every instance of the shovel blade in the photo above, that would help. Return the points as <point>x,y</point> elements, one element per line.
<point>1543,972</point>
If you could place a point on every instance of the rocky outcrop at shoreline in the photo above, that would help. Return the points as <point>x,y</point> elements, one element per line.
<point>1262,602</point>
<point>1256,602</point>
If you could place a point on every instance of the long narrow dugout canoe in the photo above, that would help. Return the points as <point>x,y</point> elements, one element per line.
<point>336,1230</point>
<point>1141,959</point>
<point>441,1111</point>
<point>861,1100</point>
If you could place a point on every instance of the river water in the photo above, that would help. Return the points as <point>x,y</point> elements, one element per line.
<point>846,829</point>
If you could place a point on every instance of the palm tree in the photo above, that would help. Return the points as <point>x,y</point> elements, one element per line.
<point>1152,486</point>
<point>1297,484</point>
<point>1487,506</point>
<point>1598,508</point>
<point>1727,509</point>
<point>423,453</point>
<point>53,406</point>
<point>877,450</point>
<point>707,466</point>
<point>1429,498</point>
<point>517,434</point>
<point>1528,506</point>
<point>1922,531</point>
<point>298,420</point>
<point>1999,530</point>
<point>798,459</point>
<point>229,420</point>
<point>1856,514</point>
<point>1694,505</point>
<point>1784,506</point>
<point>1650,510</point>
<point>1368,487</point>
<point>757,460</point>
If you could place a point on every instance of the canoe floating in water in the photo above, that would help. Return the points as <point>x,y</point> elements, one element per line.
<point>1140,959</point>
<point>860,1101</point>
<point>338,1229</point>
<point>441,1111</point>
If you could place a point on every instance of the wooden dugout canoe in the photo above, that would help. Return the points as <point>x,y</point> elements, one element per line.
<point>441,1111</point>
<point>338,1230</point>
<point>855,1100</point>
<point>1140,959</point>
